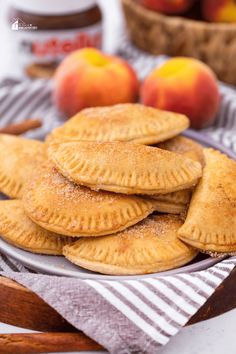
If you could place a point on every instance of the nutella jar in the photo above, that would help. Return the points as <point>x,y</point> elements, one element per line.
<point>43,32</point>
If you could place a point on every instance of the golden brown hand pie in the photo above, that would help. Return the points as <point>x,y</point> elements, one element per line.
<point>17,229</point>
<point>124,167</point>
<point>172,203</point>
<point>177,202</point>
<point>184,146</point>
<point>150,246</point>
<point>211,220</point>
<point>18,159</point>
<point>60,206</point>
<point>124,122</point>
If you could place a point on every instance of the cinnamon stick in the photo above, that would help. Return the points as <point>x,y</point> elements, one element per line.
<point>22,127</point>
<point>46,343</point>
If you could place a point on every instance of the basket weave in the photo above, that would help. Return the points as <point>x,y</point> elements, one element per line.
<point>213,43</point>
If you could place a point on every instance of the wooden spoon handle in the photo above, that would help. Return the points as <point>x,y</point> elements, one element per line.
<point>22,127</point>
<point>46,343</point>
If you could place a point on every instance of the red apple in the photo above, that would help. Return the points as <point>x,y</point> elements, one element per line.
<point>89,78</point>
<point>219,10</point>
<point>183,85</point>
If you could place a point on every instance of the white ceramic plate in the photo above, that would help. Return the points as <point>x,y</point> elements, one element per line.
<point>60,266</point>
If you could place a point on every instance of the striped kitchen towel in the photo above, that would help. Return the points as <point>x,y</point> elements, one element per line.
<point>128,316</point>
<point>28,99</point>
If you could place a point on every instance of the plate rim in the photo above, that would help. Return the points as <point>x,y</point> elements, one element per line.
<point>11,251</point>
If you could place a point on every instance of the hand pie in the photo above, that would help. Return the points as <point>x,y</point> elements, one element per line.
<point>58,205</point>
<point>177,202</point>
<point>17,229</point>
<point>124,122</point>
<point>184,146</point>
<point>124,167</point>
<point>150,246</point>
<point>18,159</point>
<point>172,203</point>
<point>211,220</point>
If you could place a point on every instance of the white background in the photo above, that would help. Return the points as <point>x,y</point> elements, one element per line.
<point>215,336</point>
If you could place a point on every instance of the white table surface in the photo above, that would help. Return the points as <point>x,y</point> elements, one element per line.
<point>215,336</point>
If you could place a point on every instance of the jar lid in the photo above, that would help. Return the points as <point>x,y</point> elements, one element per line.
<point>52,7</point>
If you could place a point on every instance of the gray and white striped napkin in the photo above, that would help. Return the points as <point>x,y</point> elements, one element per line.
<point>128,316</point>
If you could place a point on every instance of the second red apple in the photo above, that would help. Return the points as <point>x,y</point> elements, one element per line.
<point>168,6</point>
<point>219,10</point>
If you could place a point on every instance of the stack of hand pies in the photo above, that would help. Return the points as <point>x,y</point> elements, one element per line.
<point>117,190</point>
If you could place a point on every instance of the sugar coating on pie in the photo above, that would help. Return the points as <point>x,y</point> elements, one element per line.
<point>184,146</point>
<point>211,219</point>
<point>150,246</point>
<point>59,205</point>
<point>18,159</point>
<point>17,229</point>
<point>173,203</point>
<point>123,122</point>
<point>124,167</point>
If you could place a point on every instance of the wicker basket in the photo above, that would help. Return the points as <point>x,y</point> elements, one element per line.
<point>215,44</point>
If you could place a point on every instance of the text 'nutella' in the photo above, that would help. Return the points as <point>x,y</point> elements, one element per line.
<point>43,32</point>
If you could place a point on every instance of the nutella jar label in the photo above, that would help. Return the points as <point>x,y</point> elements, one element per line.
<point>43,32</point>
<point>50,47</point>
